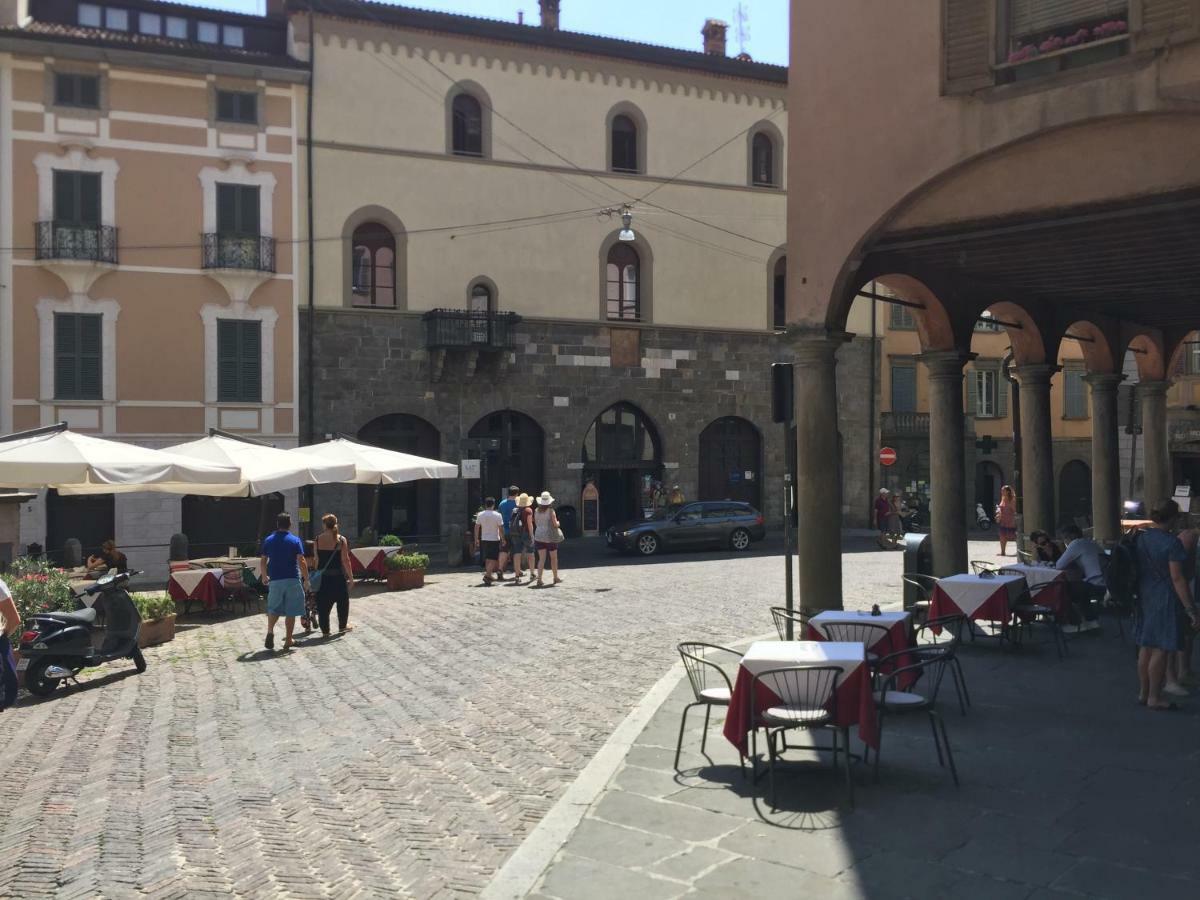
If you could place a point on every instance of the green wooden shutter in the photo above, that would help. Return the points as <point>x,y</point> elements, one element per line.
<point>239,361</point>
<point>89,357</point>
<point>228,369</point>
<point>1158,23</point>
<point>77,354</point>
<point>904,388</point>
<point>65,197</point>
<point>1074,393</point>
<point>76,198</point>
<point>966,45</point>
<point>972,392</point>
<point>66,343</point>
<point>1002,389</point>
<point>226,208</point>
<point>250,364</point>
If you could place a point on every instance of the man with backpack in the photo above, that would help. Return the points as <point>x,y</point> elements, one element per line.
<point>506,509</point>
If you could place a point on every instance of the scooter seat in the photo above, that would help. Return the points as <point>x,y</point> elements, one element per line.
<point>85,616</point>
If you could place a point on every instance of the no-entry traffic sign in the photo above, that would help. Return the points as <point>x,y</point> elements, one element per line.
<point>887,456</point>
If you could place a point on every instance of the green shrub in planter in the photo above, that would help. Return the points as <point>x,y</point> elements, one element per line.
<point>408,561</point>
<point>390,540</point>
<point>153,606</point>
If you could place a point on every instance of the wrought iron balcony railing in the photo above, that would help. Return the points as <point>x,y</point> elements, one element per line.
<point>64,240</point>
<point>463,328</point>
<point>255,253</point>
<point>905,423</point>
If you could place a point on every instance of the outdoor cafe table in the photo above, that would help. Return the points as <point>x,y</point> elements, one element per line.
<point>977,597</point>
<point>1057,594</point>
<point>203,585</point>
<point>370,562</point>
<point>898,625</point>
<point>855,700</point>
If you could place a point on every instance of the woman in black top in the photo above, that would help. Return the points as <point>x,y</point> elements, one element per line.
<point>333,561</point>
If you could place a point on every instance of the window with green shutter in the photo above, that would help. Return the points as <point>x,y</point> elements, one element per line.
<point>76,198</point>
<point>237,106</point>
<point>1075,404</point>
<point>239,361</point>
<point>237,210</point>
<point>74,89</point>
<point>984,394</point>
<point>904,388</point>
<point>77,357</point>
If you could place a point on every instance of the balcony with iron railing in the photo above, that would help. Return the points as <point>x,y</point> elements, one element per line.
<point>464,329</point>
<point>249,253</point>
<point>74,242</point>
<point>905,424</point>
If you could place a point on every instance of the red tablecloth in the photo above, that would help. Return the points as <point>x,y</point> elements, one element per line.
<point>855,701</point>
<point>976,597</point>
<point>899,635</point>
<point>1057,591</point>
<point>196,584</point>
<point>370,562</point>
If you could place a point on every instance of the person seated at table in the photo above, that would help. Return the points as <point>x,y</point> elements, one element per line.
<point>1044,549</point>
<point>108,558</point>
<point>1084,554</point>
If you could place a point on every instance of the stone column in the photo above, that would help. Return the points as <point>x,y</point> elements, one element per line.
<point>1037,447</point>
<point>947,461</point>
<point>1106,457</point>
<point>1157,464</point>
<point>818,489</point>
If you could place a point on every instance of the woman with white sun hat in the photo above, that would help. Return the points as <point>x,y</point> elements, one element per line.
<point>547,535</point>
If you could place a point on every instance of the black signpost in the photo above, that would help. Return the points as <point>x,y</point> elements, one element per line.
<point>783,409</point>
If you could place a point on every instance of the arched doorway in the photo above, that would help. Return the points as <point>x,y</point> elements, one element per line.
<point>510,446</point>
<point>731,461</point>
<point>413,509</point>
<point>90,518</point>
<point>989,478</point>
<point>623,456</point>
<point>214,524</point>
<point>1075,494</point>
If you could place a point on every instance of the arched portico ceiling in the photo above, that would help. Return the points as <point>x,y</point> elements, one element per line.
<point>1097,350</point>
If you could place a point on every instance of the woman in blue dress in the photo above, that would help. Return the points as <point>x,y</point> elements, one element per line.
<point>1165,598</point>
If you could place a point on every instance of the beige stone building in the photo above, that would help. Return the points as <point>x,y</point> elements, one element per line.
<point>148,285</point>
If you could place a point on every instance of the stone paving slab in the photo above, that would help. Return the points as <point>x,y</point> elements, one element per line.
<point>1069,789</point>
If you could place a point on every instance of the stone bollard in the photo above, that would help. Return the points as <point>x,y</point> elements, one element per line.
<point>454,546</point>
<point>179,548</point>
<point>72,554</point>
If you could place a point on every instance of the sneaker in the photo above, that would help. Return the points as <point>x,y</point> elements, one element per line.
<point>269,643</point>
<point>1176,690</point>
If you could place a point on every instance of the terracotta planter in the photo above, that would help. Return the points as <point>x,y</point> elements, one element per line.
<point>405,579</point>
<point>156,631</point>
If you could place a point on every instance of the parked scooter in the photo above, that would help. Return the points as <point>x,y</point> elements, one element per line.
<point>58,645</point>
<point>981,518</point>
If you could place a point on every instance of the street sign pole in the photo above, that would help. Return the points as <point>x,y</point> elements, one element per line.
<point>783,410</point>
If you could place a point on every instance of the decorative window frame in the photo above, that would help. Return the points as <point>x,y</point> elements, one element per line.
<point>625,108</point>
<point>473,89</point>
<point>76,159</point>
<point>238,172</point>
<point>108,310</point>
<point>778,155</point>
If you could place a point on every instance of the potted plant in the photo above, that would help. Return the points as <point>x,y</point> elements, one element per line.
<point>36,587</point>
<point>158,619</point>
<point>390,540</point>
<point>406,571</point>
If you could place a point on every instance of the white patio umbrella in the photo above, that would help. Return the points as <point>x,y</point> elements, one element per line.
<point>375,465</point>
<point>264,469</point>
<point>74,463</point>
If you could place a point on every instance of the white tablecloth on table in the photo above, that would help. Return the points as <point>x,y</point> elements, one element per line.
<point>1035,575</point>
<point>366,555</point>
<point>970,593</point>
<point>189,579</point>
<point>856,617</point>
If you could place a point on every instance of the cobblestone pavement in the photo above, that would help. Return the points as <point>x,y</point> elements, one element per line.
<point>408,758</point>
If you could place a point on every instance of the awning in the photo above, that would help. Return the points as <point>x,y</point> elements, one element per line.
<point>375,465</point>
<point>264,469</point>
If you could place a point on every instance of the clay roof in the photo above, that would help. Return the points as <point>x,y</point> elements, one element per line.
<point>535,35</point>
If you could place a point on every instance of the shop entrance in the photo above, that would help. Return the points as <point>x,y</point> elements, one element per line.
<point>623,456</point>
<point>413,509</point>
<point>731,461</point>
<point>90,518</point>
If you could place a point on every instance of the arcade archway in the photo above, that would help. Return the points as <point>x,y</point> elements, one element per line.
<point>622,454</point>
<point>731,461</point>
<point>411,510</point>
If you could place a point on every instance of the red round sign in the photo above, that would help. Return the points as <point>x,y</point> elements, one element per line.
<point>887,456</point>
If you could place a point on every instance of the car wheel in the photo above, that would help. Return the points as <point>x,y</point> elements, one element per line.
<point>647,544</point>
<point>740,539</point>
<point>36,681</point>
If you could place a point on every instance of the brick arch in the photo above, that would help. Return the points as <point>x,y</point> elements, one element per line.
<point>1177,358</point>
<point>1097,350</point>
<point>934,325</point>
<point>1149,354</point>
<point>1028,346</point>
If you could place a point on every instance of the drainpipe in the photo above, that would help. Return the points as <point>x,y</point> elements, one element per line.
<point>310,395</point>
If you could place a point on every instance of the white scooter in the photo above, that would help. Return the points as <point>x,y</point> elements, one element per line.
<point>981,518</point>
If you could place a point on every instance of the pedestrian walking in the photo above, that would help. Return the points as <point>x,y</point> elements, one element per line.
<point>1165,601</point>
<point>336,576</point>
<point>286,572</point>
<point>520,533</point>
<point>506,509</point>
<point>676,498</point>
<point>882,510</point>
<point>1006,517</point>
<point>489,531</point>
<point>10,620</point>
<point>547,535</point>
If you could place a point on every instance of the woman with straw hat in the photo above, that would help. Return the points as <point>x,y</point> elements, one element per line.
<point>547,535</point>
<point>520,535</point>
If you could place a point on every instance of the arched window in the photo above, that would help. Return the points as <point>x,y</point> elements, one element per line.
<point>623,277</point>
<point>467,125</point>
<point>763,161</point>
<point>481,299</point>
<point>373,271</point>
<point>624,145</point>
<point>779,295</point>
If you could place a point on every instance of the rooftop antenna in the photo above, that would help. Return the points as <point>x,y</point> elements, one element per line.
<point>741,26</point>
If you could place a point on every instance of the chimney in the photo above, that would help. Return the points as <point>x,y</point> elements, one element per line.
<point>275,9</point>
<point>549,14</point>
<point>714,37</point>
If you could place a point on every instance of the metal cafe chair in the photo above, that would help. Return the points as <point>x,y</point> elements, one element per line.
<point>980,566</point>
<point>1025,558</point>
<point>799,621</point>
<point>710,685</point>
<point>889,699</point>
<point>869,634</point>
<point>1028,612</point>
<point>807,699</point>
<point>924,585</point>
<point>938,640</point>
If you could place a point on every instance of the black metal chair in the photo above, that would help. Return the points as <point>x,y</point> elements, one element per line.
<point>937,640</point>
<point>799,621</point>
<point>1028,612</point>
<point>867,633</point>
<point>710,686</point>
<point>1025,558</point>
<point>804,697</point>
<point>980,566</point>
<point>891,699</point>
<point>924,585</point>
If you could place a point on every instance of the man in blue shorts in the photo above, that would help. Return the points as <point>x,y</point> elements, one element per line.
<point>285,572</point>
